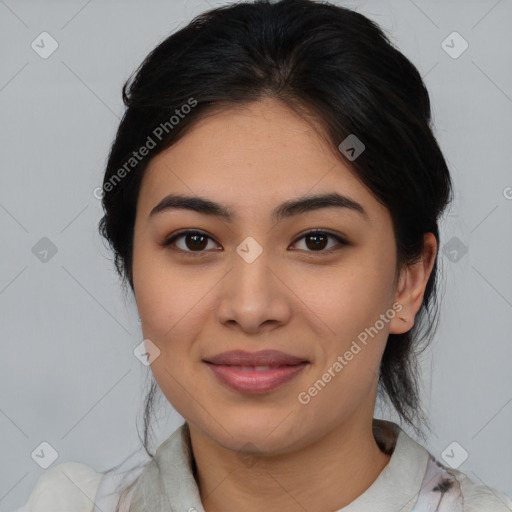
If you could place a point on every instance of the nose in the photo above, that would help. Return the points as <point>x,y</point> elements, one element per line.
<point>253,296</point>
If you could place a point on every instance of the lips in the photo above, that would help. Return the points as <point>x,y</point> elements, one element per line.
<point>255,372</point>
<point>263,358</point>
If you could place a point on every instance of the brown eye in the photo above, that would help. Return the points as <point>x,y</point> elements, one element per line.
<point>193,241</point>
<point>196,241</point>
<point>317,240</point>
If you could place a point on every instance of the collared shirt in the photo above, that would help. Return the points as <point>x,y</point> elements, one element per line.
<point>412,481</point>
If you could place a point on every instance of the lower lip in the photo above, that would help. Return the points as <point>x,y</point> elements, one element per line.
<point>253,381</point>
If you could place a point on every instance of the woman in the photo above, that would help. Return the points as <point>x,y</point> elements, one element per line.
<point>272,199</point>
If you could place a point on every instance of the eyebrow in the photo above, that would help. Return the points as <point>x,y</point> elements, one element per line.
<point>284,210</point>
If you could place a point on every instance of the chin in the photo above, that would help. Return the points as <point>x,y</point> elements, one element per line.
<point>257,433</point>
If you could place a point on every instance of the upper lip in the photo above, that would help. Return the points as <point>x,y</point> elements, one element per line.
<point>261,358</point>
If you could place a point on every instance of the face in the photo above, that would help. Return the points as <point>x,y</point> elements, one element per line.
<point>258,282</point>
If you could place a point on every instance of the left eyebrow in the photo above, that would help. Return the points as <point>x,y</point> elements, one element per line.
<point>284,210</point>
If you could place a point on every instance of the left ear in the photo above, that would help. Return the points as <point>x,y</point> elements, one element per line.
<point>411,287</point>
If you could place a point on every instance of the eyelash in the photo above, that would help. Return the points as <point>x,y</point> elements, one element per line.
<point>168,241</point>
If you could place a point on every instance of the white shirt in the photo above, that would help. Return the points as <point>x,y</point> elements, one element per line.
<point>412,481</point>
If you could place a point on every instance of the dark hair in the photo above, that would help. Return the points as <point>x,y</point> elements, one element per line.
<point>334,67</point>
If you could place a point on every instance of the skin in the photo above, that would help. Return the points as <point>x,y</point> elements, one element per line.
<point>292,298</point>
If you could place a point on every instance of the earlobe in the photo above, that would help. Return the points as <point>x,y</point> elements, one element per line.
<point>411,287</point>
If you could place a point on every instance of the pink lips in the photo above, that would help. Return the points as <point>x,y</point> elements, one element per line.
<point>239,369</point>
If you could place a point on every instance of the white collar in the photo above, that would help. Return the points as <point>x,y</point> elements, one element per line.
<point>396,488</point>
<point>398,485</point>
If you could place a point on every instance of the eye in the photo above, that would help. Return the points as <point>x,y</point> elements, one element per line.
<point>195,241</point>
<point>317,240</point>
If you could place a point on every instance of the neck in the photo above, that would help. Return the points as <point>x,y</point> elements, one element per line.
<point>339,467</point>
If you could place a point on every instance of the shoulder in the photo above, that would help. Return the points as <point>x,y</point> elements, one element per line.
<point>66,487</point>
<point>447,489</point>
<point>480,497</point>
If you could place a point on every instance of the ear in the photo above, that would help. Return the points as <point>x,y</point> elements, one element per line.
<point>411,287</point>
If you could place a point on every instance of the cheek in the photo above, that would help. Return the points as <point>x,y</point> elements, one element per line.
<point>166,298</point>
<point>350,297</point>
<point>169,304</point>
<point>353,336</point>
<point>350,306</point>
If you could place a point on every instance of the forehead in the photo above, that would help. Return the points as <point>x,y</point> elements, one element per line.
<point>251,158</point>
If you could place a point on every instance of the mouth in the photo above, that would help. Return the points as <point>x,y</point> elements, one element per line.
<point>261,359</point>
<point>255,373</point>
<point>253,368</point>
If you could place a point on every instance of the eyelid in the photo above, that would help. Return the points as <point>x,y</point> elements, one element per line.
<point>341,239</point>
<point>321,231</point>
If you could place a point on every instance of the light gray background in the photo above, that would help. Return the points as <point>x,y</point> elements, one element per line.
<point>67,372</point>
